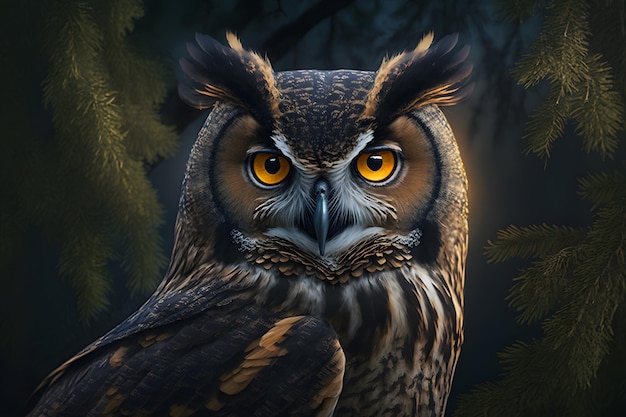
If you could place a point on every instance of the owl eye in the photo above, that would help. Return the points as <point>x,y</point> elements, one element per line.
<point>269,168</point>
<point>377,165</point>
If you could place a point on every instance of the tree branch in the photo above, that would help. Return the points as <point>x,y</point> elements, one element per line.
<point>287,36</point>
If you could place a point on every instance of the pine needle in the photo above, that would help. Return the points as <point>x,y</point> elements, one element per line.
<point>531,241</point>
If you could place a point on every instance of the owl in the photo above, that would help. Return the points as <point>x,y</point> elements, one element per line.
<point>319,254</point>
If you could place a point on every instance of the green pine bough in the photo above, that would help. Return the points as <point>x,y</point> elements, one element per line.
<point>575,286</point>
<point>83,182</point>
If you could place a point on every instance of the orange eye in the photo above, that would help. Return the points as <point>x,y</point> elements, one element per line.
<point>377,165</point>
<point>269,168</point>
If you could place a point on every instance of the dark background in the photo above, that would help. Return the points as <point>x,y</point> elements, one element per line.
<point>506,187</point>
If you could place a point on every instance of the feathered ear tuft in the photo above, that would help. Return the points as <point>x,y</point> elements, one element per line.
<point>216,72</point>
<point>429,74</point>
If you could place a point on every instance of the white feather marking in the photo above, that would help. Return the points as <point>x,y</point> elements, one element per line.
<point>396,306</point>
<point>334,247</point>
<point>281,143</point>
<point>351,305</point>
<point>411,240</point>
<point>286,208</point>
<point>349,237</point>
<point>433,295</point>
<point>349,198</point>
<point>244,243</point>
<point>362,141</point>
<point>289,206</point>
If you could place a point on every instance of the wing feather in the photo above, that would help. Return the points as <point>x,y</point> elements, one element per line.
<point>228,359</point>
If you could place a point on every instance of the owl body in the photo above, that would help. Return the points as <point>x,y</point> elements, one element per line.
<point>318,263</point>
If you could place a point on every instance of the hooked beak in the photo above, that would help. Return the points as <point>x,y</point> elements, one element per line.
<point>321,217</point>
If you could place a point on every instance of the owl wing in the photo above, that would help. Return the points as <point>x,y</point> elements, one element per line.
<point>229,358</point>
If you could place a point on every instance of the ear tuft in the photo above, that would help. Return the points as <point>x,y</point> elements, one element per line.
<point>235,43</point>
<point>424,43</point>
<point>429,74</point>
<point>214,72</point>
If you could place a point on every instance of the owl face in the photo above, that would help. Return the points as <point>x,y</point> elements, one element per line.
<point>318,179</point>
<point>322,170</point>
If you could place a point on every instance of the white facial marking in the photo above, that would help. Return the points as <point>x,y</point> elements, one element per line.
<point>334,247</point>
<point>350,199</point>
<point>354,205</point>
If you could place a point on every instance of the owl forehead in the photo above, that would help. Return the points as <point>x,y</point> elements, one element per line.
<point>320,112</point>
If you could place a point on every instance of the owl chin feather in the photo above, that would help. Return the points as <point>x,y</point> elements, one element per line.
<point>353,253</point>
<point>336,246</point>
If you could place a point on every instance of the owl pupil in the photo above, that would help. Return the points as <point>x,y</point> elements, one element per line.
<point>374,162</point>
<point>272,165</point>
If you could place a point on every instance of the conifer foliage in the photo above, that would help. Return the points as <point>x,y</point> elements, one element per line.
<point>77,139</point>
<point>575,286</point>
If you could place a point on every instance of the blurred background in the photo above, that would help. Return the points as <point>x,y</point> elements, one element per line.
<point>54,186</point>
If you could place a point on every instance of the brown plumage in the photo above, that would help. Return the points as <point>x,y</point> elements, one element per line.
<point>319,257</point>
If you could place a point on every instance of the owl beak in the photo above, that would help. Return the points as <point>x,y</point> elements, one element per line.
<point>321,218</point>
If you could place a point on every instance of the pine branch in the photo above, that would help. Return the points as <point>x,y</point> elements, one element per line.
<point>577,284</point>
<point>524,389</point>
<point>581,329</point>
<point>601,188</point>
<point>102,152</point>
<point>598,109</point>
<point>140,83</point>
<point>83,260</point>
<point>540,287</point>
<point>581,87</point>
<point>546,125</point>
<point>533,65</point>
<point>531,241</point>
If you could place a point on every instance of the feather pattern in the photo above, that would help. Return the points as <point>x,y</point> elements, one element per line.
<point>233,74</point>
<point>429,74</point>
<point>213,360</point>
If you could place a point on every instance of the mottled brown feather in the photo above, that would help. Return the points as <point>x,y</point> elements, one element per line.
<point>266,348</point>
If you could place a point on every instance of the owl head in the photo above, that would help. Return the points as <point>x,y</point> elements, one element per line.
<point>325,176</point>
